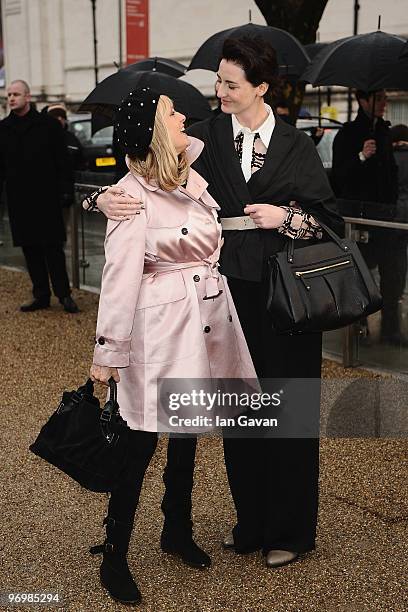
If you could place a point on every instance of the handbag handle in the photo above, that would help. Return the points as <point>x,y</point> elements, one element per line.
<point>89,387</point>
<point>330,232</point>
<point>113,390</point>
<point>111,407</point>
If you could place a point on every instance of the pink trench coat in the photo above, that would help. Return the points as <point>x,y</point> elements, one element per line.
<point>153,320</point>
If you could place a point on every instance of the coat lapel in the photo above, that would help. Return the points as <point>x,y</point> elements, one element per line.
<point>281,142</point>
<point>196,185</point>
<point>224,141</point>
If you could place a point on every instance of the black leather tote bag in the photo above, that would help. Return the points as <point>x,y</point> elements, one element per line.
<point>89,444</point>
<point>320,287</point>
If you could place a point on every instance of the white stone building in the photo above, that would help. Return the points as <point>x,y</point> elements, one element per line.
<point>49,43</point>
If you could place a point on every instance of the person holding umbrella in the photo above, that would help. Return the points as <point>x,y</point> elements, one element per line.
<point>364,168</point>
<point>270,184</point>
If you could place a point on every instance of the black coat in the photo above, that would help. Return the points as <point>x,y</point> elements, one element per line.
<point>34,166</point>
<point>376,178</point>
<point>292,171</point>
<point>401,158</point>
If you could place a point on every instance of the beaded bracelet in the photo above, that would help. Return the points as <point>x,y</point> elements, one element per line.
<point>91,200</point>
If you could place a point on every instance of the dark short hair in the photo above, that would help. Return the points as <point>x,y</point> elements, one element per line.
<point>256,57</point>
<point>281,103</point>
<point>58,112</point>
<point>365,95</point>
<point>399,132</point>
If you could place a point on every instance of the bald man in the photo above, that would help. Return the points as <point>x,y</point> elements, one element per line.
<point>34,167</point>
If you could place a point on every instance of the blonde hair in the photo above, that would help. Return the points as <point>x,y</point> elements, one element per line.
<point>162,163</point>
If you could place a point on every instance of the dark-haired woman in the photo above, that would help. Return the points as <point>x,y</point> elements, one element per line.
<point>270,184</point>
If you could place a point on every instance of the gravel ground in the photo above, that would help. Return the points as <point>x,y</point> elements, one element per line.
<point>49,522</point>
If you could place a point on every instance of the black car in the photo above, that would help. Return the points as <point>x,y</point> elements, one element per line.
<point>97,149</point>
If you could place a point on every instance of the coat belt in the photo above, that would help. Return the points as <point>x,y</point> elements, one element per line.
<point>211,282</point>
<point>237,223</point>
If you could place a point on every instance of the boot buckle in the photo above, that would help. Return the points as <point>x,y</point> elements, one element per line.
<point>108,547</point>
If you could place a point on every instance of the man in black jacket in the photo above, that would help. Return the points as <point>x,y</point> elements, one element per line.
<point>364,168</point>
<point>33,166</point>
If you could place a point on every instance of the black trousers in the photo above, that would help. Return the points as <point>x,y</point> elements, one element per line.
<point>387,250</point>
<point>178,478</point>
<point>274,482</point>
<point>44,262</point>
<point>124,500</point>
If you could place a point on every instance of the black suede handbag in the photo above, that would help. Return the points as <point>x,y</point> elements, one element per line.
<point>320,287</point>
<point>89,444</point>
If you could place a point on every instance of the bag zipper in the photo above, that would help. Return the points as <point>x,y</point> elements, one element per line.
<point>342,263</point>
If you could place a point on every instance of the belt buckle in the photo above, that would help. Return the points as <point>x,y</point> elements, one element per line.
<point>212,297</point>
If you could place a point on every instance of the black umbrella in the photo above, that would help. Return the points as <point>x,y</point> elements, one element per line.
<point>159,64</point>
<point>404,51</point>
<point>291,55</point>
<point>368,62</point>
<point>109,93</point>
<point>314,48</point>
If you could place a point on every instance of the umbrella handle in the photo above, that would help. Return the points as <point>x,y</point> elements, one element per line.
<point>373,115</point>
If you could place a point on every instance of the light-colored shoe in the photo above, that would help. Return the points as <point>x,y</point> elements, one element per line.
<point>278,558</point>
<point>228,541</point>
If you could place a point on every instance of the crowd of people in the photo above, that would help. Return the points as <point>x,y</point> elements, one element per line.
<point>191,228</point>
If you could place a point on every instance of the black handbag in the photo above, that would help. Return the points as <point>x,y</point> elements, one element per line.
<point>320,287</point>
<point>89,444</point>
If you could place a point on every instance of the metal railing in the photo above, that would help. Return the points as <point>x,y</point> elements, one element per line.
<point>76,221</point>
<point>351,333</point>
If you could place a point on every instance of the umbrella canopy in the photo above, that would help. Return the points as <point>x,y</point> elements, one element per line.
<point>314,48</point>
<point>109,93</point>
<point>291,55</point>
<point>368,62</point>
<point>159,64</point>
<point>404,51</point>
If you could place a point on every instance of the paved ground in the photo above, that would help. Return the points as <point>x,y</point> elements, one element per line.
<point>48,522</point>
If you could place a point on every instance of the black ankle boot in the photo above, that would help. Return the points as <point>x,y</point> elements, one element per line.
<point>184,547</point>
<point>114,571</point>
<point>35,304</point>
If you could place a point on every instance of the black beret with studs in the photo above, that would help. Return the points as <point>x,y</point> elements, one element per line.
<point>134,121</point>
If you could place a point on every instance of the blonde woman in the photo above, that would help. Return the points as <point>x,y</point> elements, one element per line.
<point>164,310</point>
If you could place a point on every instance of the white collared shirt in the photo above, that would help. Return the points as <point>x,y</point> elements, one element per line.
<point>265,133</point>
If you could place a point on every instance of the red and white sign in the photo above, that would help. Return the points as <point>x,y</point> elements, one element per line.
<point>137,30</point>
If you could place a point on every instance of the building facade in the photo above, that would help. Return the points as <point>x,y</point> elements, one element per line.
<point>50,43</point>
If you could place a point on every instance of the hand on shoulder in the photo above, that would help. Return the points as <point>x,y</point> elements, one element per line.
<point>117,205</point>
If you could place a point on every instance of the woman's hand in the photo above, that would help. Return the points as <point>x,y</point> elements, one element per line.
<point>102,374</point>
<point>266,216</point>
<point>117,205</point>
